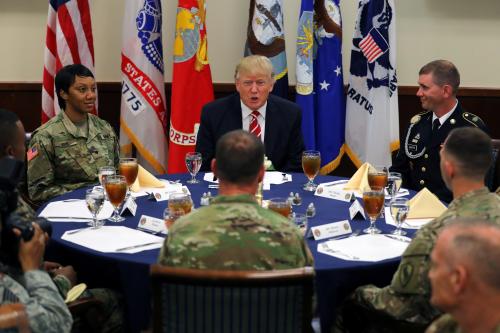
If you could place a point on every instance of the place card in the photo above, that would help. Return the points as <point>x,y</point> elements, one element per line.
<point>162,194</point>
<point>333,193</point>
<point>356,211</point>
<point>130,205</point>
<point>330,230</point>
<point>152,224</point>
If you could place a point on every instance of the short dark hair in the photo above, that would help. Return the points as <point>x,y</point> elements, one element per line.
<point>239,156</point>
<point>66,77</point>
<point>443,72</point>
<point>8,129</point>
<point>471,148</point>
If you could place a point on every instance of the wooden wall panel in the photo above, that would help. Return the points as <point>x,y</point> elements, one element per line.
<point>25,99</point>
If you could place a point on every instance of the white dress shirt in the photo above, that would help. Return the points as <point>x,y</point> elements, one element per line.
<point>246,117</point>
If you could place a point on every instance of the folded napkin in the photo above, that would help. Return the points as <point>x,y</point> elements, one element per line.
<point>359,181</point>
<point>145,179</point>
<point>425,204</point>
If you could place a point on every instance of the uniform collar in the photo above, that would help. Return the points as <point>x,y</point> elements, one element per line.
<point>241,198</point>
<point>458,201</point>
<point>445,117</point>
<point>71,128</point>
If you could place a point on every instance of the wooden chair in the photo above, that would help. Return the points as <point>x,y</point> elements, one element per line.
<point>493,176</point>
<point>193,300</point>
<point>13,318</point>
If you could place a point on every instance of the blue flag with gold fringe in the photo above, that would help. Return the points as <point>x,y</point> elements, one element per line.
<point>266,36</point>
<point>320,84</point>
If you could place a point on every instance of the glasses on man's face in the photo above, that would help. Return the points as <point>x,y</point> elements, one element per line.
<point>250,83</point>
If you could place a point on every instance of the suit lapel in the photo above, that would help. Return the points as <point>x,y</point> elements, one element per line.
<point>270,137</point>
<point>234,113</point>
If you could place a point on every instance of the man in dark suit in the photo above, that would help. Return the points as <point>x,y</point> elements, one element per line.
<point>276,121</point>
<point>418,157</point>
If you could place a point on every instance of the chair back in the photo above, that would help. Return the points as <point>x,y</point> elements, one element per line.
<point>492,179</point>
<point>193,300</point>
<point>13,318</point>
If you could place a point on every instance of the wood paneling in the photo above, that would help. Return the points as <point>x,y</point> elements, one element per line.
<point>25,99</point>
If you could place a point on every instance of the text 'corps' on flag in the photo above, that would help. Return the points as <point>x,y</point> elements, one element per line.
<point>143,110</point>
<point>68,41</point>
<point>266,37</point>
<point>320,84</point>
<point>372,125</point>
<point>191,81</point>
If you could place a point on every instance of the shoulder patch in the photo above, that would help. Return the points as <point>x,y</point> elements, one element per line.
<point>406,274</point>
<point>473,119</point>
<point>32,152</point>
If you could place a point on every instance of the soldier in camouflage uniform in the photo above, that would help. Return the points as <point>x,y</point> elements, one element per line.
<point>67,152</point>
<point>45,309</point>
<point>12,137</point>
<point>234,232</point>
<point>404,304</point>
<point>465,279</point>
<point>418,157</point>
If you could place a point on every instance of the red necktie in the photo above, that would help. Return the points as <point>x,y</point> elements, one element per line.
<point>254,127</point>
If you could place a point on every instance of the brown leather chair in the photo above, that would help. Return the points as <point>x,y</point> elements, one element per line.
<point>193,300</point>
<point>13,318</point>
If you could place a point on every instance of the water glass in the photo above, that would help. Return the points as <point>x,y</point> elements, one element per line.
<point>193,165</point>
<point>399,211</point>
<point>94,198</point>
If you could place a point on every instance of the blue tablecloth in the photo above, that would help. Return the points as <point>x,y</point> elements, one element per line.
<point>129,273</point>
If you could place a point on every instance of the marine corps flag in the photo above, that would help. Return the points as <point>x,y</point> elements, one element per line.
<point>320,84</point>
<point>143,111</point>
<point>266,36</point>
<point>372,125</point>
<point>191,81</point>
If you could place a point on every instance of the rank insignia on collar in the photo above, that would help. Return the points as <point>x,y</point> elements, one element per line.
<point>452,121</point>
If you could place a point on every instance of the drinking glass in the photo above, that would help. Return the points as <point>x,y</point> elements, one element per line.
<point>116,188</point>
<point>394,181</point>
<point>129,169</point>
<point>193,165</point>
<point>104,172</point>
<point>311,162</point>
<point>180,201</point>
<point>171,216</point>
<point>399,211</point>
<point>373,200</point>
<point>281,206</point>
<point>300,220</point>
<point>94,198</point>
<point>377,176</point>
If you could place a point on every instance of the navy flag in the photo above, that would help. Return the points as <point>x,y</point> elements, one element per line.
<point>320,85</point>
<point>372,125</point>
<point>266,36</point>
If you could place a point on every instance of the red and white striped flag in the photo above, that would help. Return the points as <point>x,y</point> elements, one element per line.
<point>143,110</point>
<point>68,41</point>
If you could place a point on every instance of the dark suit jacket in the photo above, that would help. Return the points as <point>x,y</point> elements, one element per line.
<point>283,136</point>
<point>424,171</point>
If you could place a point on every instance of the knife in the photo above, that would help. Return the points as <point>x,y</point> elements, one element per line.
<point>77,218</point>
<point>137,246</point>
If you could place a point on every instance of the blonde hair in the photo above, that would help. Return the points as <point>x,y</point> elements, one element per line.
<point>254,64</point>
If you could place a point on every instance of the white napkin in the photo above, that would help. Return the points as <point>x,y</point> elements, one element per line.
<point>365,247</point>
<point>114,239</point>
<point>270,177</point>
<point>408,223</point>
<point>73,210</point>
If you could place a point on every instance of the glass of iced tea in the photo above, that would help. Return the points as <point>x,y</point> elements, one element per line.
<point>129,168</point>
<point>116,189</point>
<point>377,176</point>
<point>104,172</point>
<point>373,200</point>
<point>281,206</point>
<point>169,217</point>
<point>180,201</point>
<point>311,162</point>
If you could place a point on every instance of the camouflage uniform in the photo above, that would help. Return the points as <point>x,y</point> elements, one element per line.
<point>62,158</point>
<point>112,312</point>
<point>447,324</point>
<point>45,309</point>
<point>407,298</point>
<point>235,233</point>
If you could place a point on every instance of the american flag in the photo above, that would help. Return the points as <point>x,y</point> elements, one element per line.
<point>373,45</point>
<point>68,41</point>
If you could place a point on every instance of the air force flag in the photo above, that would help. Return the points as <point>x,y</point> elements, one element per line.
<point>320,85</point>
<point>372,125</point>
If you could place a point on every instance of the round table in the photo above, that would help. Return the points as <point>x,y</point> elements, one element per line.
<point>129,273</point>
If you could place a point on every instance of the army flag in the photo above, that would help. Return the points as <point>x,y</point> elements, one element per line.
<point>191,81</point>
<point>266,36</point>
<point>320,84</point>
<point>68,41</point>
<point>143,110</point>
<point>372,125</point>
